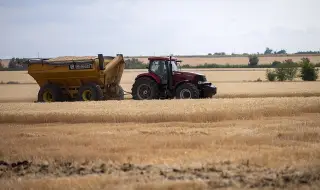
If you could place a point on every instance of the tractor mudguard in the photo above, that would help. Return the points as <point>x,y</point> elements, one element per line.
<point>181,82</point>
<point>149,75</point>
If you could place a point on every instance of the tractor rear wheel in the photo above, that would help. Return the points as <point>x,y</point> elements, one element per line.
<point>145,89</point>
<point>187,91</point>
<point>50,93</point>
<point>90,92</point>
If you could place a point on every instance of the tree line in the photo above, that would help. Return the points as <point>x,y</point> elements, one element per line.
<point>17,64</point>
<point>288,70</point>
<point>268,51</point>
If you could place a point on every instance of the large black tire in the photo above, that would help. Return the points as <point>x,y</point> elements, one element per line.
<point>145,89</point>
<point>50,93</point>
<point>187,91</point>
<point>90,92</point>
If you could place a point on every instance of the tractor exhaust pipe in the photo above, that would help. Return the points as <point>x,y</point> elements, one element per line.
<point>170,74</point>
<point>101,61</point>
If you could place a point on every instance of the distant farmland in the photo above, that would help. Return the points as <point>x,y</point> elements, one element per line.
<point>194,60</point>
<point>236,60</point>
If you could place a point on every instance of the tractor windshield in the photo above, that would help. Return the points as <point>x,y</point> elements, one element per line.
<point>174,66</point>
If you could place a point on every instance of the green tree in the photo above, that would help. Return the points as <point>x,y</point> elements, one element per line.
<point>271,75</point>
<point>268,51</point>
<point>308,71</point>
<point>253,60</point>
<point>287,70</point>
<point>12,64</point>
<point>292,69</point>
<point>17,64</point>
<point>282,52</point>
<point>220,53</point>
<point>281,73</point>
<point>134,64</point>
<point>276,63</point>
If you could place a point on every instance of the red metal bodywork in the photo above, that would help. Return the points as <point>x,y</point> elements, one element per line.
<point>150,75</point>
<point>179,76</point>
<point>161,58</point>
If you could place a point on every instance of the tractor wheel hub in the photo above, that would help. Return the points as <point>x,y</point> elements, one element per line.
<point>185,93</point>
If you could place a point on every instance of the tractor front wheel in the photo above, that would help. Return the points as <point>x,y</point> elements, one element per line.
<point>187,91</point>
<point>90,92</point>
<point>145,89</point>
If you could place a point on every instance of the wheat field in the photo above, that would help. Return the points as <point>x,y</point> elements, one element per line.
<point>252,135</point>
<point>194,61</point>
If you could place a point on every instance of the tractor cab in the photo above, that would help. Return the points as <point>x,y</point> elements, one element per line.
<point>163,68</point>
<point>166,80</point>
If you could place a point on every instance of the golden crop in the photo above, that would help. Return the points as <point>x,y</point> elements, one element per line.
<point>252,134</point>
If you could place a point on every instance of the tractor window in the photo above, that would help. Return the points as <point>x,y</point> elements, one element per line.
<point>174,66</point>
<point>154,66</point>
<point>158,67</point>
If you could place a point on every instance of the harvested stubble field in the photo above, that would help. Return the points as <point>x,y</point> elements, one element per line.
<point>165,144</point>
<point>229,142</point>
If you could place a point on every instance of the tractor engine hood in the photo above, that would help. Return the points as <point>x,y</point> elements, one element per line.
<point>192,76</point>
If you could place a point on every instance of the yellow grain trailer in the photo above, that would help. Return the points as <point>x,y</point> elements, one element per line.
<point>82,78</point>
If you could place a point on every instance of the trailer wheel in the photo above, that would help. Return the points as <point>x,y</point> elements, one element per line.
<point>187,91</point>
<point>50,93</point>
<point>145,89</point>
<point>90,92</point>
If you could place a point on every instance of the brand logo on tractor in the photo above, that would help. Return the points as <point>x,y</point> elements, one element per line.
<point>81,66</point>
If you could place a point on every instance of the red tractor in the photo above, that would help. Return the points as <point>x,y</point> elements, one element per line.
<point>164,80</point>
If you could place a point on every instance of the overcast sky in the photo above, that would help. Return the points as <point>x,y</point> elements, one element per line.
<point>156,27</point>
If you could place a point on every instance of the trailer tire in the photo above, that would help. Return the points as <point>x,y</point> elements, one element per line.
<point>187,91</point>
<point>90,92</point>
<point>151,88</point>
<point>50,93</point>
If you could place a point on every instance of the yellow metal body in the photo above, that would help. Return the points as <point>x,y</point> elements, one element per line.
<point>69,73</point>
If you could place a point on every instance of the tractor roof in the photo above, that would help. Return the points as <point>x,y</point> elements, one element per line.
<point>162,58</point>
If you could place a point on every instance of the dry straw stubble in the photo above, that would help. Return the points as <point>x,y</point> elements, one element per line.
<point>209,110</point>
